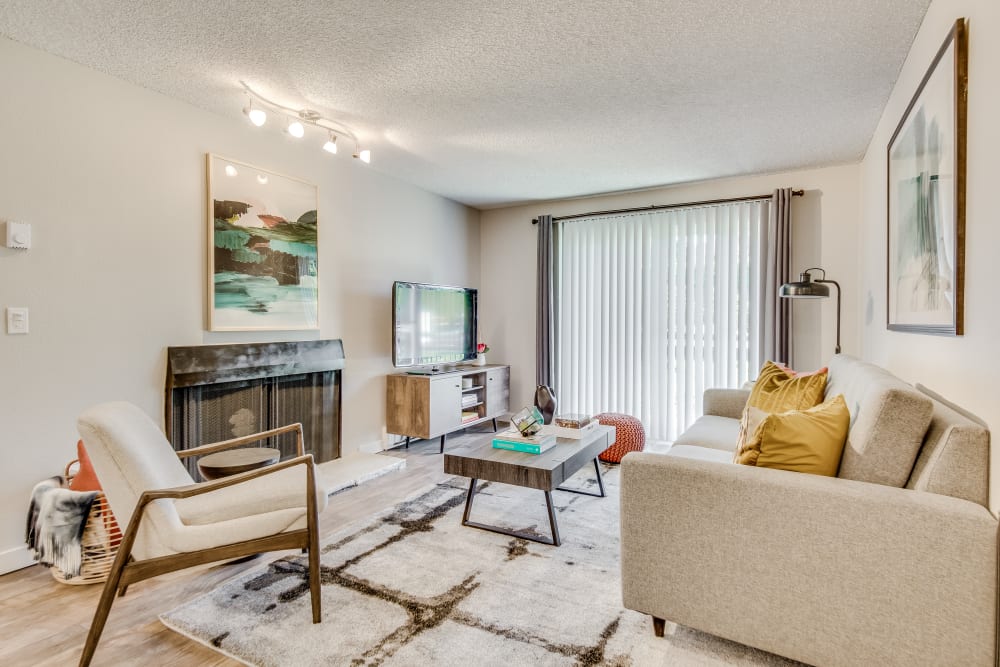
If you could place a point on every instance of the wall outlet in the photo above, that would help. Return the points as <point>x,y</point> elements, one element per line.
<point>17,320</point>
<point>18,235</point>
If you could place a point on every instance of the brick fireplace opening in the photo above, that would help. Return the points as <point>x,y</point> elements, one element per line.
<point>217,392</point>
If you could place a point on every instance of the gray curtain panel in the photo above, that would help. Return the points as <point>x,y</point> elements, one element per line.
<point>776,335</point>
<point>545,304</point>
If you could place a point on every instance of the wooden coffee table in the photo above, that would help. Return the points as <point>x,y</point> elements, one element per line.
<point>545,472</point>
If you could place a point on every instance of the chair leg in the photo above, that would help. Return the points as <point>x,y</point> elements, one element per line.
<point>122,590</point>
<point>104,608</point>
<point>315,591</point>
<point>658,626</point>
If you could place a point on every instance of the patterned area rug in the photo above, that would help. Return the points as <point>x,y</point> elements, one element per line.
<point>411,586</point>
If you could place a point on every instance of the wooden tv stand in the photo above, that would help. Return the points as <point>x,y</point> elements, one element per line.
<point>430,406</point>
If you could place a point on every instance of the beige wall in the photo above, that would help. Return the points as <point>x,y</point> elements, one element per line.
<point>824,234</point>
<point>112,178</point>
<point>962,368</point>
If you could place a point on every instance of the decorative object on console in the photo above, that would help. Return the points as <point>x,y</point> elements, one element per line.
<point>926,199</point>
<point>481,350</point>
<point>807,288</point>
<point>545,401</point>
<point>528,421</point>
<point>263,260</point>
<point>630,436</point>
<point>295,119</point>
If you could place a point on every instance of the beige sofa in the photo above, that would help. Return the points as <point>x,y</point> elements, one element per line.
<point>893,562</point>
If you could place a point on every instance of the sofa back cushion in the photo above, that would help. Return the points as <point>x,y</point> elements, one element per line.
<point>955,457</point>
<point>888,421</point>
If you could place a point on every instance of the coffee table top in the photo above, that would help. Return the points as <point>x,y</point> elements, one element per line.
<point>544,471</point>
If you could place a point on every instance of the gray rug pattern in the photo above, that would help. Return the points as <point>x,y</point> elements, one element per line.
<point>411,586</point>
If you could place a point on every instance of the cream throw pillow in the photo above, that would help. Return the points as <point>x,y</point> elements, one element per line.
<point>800,440</point>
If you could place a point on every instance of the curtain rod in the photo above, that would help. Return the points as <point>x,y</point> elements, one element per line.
<point>660,207</point>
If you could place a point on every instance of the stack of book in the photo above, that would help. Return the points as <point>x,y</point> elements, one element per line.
<point>468,400</point>
<point>469,416</point>
<point>531,444</point>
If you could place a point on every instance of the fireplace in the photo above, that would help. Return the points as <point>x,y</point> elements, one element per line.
<point>218,392</point>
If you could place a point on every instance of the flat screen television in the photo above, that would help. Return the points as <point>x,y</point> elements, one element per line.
<point>432,325</point>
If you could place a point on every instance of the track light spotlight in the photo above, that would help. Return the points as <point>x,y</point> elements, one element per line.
<point>257,116</point>
<point>331,144</point>
<point>296,129</point>
<point>363,155</point>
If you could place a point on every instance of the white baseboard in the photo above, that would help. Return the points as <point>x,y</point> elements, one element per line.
<point>15,559</point>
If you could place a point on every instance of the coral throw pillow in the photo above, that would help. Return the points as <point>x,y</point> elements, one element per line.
<point>86,478</point>
<point>809,441</point>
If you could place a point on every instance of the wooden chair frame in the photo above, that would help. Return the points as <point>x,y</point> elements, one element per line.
<point>126,571</point>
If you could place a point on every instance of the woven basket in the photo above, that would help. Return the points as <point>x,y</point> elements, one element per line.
<point>99,544</point>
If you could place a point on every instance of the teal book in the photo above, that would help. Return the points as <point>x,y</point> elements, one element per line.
<point>540,445</point>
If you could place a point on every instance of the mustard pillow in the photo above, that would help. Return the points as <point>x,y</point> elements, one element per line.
<point>800,440</point>
<point>779,389</point>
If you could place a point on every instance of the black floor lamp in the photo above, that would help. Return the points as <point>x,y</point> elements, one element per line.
<point>807,288</point>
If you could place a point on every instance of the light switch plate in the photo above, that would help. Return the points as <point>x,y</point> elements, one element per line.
<point>17,320</point>
<point>18,235</point>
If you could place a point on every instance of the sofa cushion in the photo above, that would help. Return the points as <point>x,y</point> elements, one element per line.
<point>808,441</point>
<point>711,431</point>
<point>888,421</point>
<point>955,457</point>
<point>701,453</point>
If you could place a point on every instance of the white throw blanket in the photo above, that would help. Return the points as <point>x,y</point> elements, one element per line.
<point>56,519</point>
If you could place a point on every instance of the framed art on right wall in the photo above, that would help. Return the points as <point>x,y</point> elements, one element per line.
<point>926,198</point>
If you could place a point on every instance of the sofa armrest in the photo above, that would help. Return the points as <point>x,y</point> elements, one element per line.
<point>820,569</point>
<point>725,402</point>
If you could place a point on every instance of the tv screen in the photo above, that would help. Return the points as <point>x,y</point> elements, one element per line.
<point>432,324</point>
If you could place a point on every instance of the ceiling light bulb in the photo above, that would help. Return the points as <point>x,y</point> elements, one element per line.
<point>366,156</point>
<point>257,116</point>
<point>331,144</point>
<point>231,170</point>
<point>296,129</point>
<point>262,179</point>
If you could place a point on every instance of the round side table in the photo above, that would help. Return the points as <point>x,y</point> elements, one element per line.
<point>235,461</point>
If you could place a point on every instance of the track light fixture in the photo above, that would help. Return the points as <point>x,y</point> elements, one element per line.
<point>299,118</point>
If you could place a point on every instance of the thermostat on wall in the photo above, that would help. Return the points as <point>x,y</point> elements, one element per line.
<point>18,235</point>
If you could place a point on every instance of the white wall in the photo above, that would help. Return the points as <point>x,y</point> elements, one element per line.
<point>112,178</point>
<point>824,234</point>
<point>963,368</point>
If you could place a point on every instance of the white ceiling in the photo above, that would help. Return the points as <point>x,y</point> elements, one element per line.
<point>491,103</point>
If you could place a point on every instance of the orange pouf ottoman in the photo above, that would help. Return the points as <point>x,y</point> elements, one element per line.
<point>629,436</point>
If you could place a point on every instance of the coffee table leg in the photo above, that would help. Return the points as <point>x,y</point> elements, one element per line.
<point>552,519</point>
<point>468,501</point>
<point>554,541</point>
<point>600,484</point>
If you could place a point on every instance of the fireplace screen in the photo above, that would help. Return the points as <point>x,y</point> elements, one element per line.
<point>205,404</point>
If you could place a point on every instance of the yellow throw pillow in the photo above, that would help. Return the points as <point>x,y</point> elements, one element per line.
<point>800,440</point>
<point>779,389</point>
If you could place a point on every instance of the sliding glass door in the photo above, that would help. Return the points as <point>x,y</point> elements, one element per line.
<point>654,307</point>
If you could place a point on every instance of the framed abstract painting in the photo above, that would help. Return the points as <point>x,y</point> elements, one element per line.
<point>926,199</point>
<point>263,266</point>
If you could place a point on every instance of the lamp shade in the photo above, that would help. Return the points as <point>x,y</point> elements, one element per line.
<point>804,289</point>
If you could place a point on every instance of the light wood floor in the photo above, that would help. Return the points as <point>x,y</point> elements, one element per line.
<point>43,622</point>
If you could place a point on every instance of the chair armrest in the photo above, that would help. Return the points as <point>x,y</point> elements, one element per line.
<point>178,492</point>
<point>725,402</point>
<point>202,450</point>
<point>820,569</point>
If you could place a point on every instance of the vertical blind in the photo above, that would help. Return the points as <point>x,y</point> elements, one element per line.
<point>654,307</point>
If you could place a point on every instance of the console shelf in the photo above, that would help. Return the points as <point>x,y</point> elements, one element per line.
<point>430,406</point>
